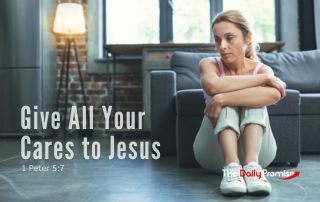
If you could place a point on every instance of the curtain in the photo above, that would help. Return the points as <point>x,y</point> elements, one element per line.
<point>317,21</point>
<point>307,25</point>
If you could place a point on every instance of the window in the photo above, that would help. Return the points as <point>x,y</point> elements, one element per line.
<point>132,21</point>
<point>191,21</point>
<point>260,14</point>
<point>180,21</point>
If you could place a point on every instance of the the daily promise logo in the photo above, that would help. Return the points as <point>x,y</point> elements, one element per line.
<point>281,175</point>
<point>294,175</point>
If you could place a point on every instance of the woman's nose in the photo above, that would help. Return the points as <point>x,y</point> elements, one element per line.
<point>223,44</point>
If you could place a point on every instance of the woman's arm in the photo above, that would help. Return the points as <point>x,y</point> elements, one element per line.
<point>250,97</point>
<point>255,96</point>
<point>213,84</point>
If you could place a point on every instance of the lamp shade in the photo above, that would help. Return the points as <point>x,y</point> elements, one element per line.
<point>69,19</point>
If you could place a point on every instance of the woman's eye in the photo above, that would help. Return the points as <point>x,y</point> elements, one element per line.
<point>229,38</point>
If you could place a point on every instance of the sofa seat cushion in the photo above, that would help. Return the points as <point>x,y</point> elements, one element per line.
<point>191,103</point>
<point>310,103</point>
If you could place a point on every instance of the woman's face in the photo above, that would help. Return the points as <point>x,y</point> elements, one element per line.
<point>230,41</point>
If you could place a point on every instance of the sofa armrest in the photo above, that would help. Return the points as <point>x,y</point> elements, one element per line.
<point>190,102</point>
<point>285,124</point>
<point>163,92</point>
<point>290,105</point>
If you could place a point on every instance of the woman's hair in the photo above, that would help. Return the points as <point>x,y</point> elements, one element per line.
<point>235,17</point>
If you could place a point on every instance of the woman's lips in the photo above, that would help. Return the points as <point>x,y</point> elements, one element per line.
<point>226,54</point>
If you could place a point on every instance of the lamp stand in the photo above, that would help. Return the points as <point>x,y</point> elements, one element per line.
<point>66,63</point>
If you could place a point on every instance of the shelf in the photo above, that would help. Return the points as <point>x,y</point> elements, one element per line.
<point>137,49</point>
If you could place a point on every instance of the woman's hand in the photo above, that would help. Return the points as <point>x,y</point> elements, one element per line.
<point>278,84</point>
<point>213,109</point>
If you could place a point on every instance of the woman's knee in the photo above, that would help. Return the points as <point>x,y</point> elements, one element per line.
<point>228,119</point>
<point>257,116</point>
<point>246,111</point>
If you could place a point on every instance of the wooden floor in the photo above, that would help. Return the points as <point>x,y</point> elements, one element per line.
<point>129,180</point>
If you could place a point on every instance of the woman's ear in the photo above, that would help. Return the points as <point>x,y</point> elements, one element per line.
<point>248,38</point>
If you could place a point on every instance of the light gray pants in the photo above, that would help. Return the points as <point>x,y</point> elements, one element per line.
<point>206,146</point>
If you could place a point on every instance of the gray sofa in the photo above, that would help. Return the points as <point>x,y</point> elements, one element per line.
<point>301,71</point>
<point>177,105</point>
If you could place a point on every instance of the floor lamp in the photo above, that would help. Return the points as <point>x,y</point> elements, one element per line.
<point>69,21</point>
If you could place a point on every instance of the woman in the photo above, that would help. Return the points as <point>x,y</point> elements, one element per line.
<point>237,88</point>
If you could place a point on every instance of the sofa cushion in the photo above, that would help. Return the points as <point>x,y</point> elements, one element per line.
<point>310,103</point>
<point>300,70</point>
<point>185,64</point>
<point>191,103</point>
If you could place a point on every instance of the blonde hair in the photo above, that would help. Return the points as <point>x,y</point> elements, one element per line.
<point>236,17</point>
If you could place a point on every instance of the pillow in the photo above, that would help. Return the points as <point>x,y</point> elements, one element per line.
<point>186,66</point>
<point>300,70</point>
